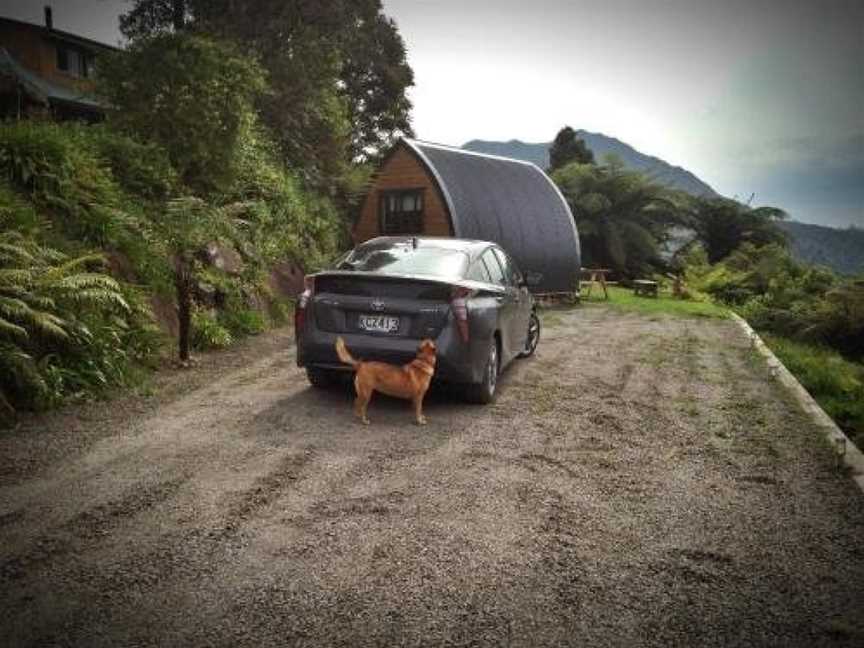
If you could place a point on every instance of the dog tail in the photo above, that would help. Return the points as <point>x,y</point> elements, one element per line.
<point>342,352</point>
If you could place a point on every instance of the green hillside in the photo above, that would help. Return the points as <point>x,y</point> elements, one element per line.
<point>842,250</point>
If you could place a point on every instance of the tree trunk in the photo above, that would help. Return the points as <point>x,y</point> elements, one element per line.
<point>178,16</point>
<point>183,284</point>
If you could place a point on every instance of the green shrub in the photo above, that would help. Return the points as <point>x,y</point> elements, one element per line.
<point>140,336</point>
<point>64,326</point>
<point>835,383</point>
<point>16,214</point>
<point>191,94</point>
<point>277,218</point>
<point>78,180</point>
<point>280,310</point>
<point>208,333</point>
<point>141,169</point>
<point>67,189</point>
<point>778,295</point>
<point>59,168</point>
<point>243,322</point>
<point>838,319</point>
<point>95,361</point>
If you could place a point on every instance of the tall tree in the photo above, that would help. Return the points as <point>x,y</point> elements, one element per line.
<point>188,93</point>
<point>568,147</point>
<point>337,68</point>
<point>376,77</point>
<point>722,225</point>
<point>622,217</point>
<point>154,16</point>
<point>186,227</point>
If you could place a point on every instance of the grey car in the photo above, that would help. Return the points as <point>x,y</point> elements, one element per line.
<point>390,292</point>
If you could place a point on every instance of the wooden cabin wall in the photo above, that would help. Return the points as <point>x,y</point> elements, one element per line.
<point>24,44</point>
<point>403,171</point>
<point>30,47</point>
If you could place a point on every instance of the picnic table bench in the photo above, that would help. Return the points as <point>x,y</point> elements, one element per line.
<point>598,275</point>
<point>645,287</point>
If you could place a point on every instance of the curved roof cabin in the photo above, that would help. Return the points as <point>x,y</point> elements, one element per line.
<point>434,190</point>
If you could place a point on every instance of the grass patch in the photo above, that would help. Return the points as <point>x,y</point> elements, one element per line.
<point>624,299</point>
<point>836,383</point>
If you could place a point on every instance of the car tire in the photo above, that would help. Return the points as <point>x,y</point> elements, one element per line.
<point>533,338</point>
<point>483,392</point>
<point>322,378</point>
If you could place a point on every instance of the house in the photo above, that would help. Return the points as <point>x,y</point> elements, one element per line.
<point>435,190</point>
<point>47,72</point>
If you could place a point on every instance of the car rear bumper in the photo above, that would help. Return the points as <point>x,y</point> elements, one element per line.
<point>455,361</point>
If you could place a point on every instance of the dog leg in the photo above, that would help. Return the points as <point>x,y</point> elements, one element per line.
<point>363,418</point>
<point>360,409</point>
<point>362,402</point>
<point>418,411</point>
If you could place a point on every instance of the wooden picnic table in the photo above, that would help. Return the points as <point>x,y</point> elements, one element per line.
<point>645,287</point>
<point>598,275</point>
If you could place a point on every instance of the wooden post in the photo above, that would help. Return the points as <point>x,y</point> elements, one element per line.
<point>183,284</point>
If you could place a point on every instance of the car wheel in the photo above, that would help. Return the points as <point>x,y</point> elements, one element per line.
<point>322,378</point>
<point>484,391</point>
<point>533,336</point>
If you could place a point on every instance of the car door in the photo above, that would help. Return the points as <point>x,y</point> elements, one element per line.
<point>522,314</point>
<point>508,303</point>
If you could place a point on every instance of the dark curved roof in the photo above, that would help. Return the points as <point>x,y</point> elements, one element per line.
<point>510,202</point>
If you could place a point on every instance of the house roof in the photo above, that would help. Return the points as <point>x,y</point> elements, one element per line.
<point>41,89</point>
<point>59,34</point>
<point>510,202</point>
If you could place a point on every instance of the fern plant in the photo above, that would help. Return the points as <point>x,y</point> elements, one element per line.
<point>46,303</point>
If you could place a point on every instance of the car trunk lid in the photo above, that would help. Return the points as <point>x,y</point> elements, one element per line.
<point>374,304</point>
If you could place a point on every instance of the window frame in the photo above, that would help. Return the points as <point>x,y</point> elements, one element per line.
<point>509,267</point>
<point>66,53</point>
<point>415,227</point>
<point>482,270</point>
<point>497,265</point>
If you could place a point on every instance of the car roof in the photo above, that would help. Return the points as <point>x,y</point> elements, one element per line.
<point>470,246</point>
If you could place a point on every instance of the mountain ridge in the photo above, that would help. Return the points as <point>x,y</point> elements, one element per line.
<point>842,250</point>
<point>656,168</point>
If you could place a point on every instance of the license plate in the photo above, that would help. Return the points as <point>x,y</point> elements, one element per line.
<point>379,323</point>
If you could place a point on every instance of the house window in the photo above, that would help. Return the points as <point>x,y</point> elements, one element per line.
<point>72,61</point>
<point>402,212</point>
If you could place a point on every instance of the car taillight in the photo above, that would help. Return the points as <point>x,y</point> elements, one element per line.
<point>459,297</point>
<point>302,303</point>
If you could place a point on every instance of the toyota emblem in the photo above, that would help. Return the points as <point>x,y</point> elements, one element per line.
<point>377,305</point>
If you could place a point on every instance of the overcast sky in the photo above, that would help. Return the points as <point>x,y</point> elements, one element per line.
<point>753,96</point>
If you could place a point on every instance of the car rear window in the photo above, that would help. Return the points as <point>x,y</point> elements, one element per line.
<point>406,259</point>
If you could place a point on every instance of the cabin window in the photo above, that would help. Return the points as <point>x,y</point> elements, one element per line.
<point>72,61</point>
<point>402,212</point>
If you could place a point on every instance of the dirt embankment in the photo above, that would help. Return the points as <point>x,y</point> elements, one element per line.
<point>642,481</point>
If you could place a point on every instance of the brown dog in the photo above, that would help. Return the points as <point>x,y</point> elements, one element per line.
<point>409,381</point>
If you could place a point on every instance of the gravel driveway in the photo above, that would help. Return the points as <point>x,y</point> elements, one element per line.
<point>641,482</point>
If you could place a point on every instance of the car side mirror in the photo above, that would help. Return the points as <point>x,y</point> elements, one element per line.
<point>532,279</point>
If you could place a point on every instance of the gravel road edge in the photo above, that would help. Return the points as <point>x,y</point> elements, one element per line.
<point>847,452</point>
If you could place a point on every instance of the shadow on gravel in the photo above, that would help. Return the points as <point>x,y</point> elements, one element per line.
<point>331,409</point>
